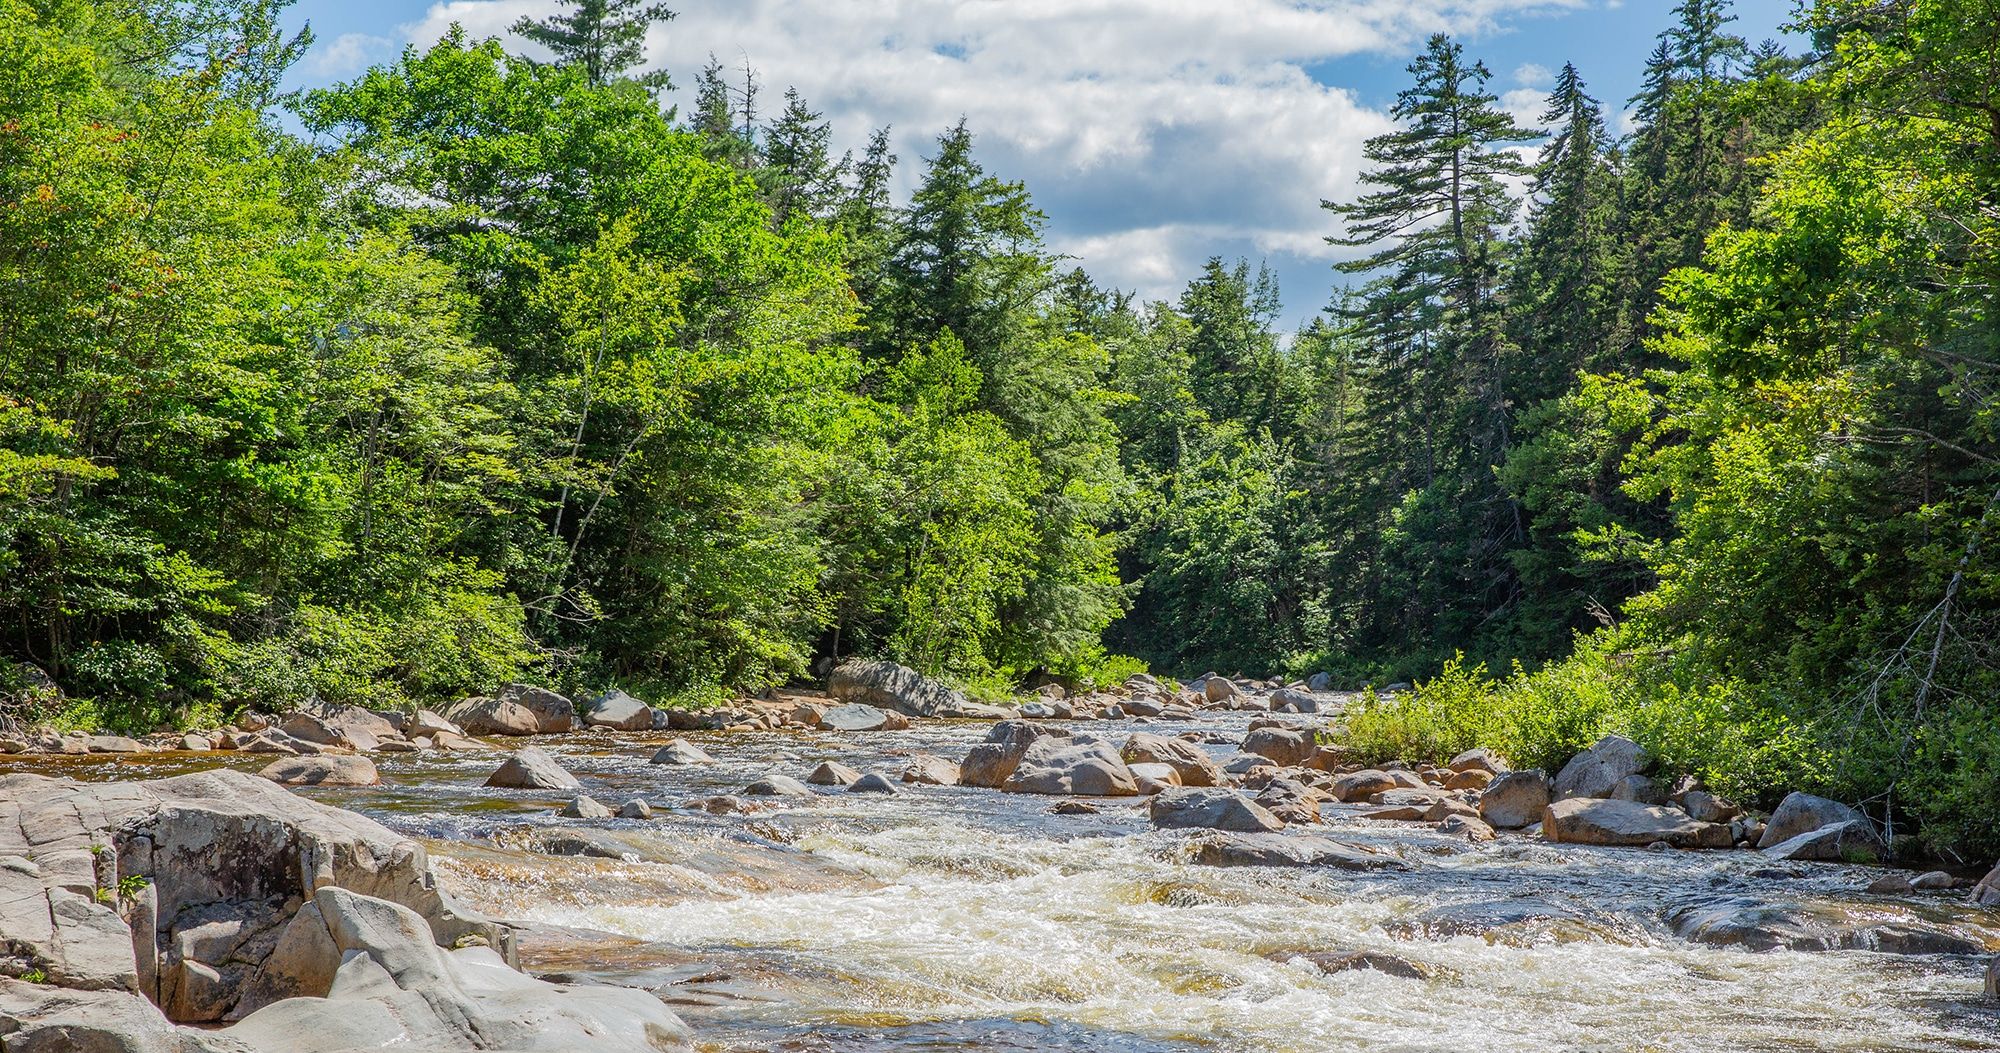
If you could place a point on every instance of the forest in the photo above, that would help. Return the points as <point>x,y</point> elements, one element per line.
<point>485,367</point>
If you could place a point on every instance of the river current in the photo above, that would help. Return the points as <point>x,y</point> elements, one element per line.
<point>947,918</point>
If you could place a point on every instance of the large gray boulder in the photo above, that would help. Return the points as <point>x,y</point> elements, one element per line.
<point>1056,766</point>
<point>855,716</point>
<point>1515,799</point>
<point>1190,762</point>
<point>1802,813</point>
<point>1286,747</point>
<point>1211,809</point>
<point>618,711</point>
<point>891,686</point>
<point>929,770</point>
<point>1597,771</point>
<point>1600,821</point>
<point>531,769</point>
<point>681,751</point>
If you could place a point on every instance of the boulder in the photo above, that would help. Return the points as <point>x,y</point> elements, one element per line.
<point>1154,778</point>
<point>584,806</point>
<point>1052,765</point>
<point>518,710</point>
<point>112,744</point>
<point>1643,789</point>
<point>197,743</point>
<point>929,770</point>
<point>636,808</point>
<point>1361,785</point>
<point>1515,799</point>
<point>1467,827</point>
<point>1285,747</point>
<point>1470,779</point>
<point>1319,682</point>
<point>1228,849</point>
<point>990,763</point>
<point>1597,771</point>
<point>1709,808</point>
<point>1802,813</point>
<point>1986,892</point>
<point>681,751</point>
<point>1290,800</point>
<point>777,786</point>
<point>618,711</point>
<point>340,725</point>
<point>832,773</point>
<point>531,769</point>
<point>1601,821</point>
<point>1292,700</point>
<point>1756,924</point>
<point>890,686</point>
<point>1189,761</point>
<point>1479,759</point>
<point>1211,809</point>
<point>1219,689</point>
<point>856,716</point>
<point>329,770</point>
<point>873,782</point>
<point>1854,841</point>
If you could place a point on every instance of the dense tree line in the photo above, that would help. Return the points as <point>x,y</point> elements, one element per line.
<point>500,369</point>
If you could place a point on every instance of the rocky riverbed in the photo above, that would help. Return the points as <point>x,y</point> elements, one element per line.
<point>1304,905</point>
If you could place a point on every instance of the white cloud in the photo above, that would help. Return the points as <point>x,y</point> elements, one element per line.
<point>347,54</point>
<point>1154,132</point>
<point>1533,75</point>
<point>1526,105</point>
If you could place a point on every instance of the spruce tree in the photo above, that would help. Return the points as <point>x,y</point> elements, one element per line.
<point>798,177</point>
<point>605,37</point>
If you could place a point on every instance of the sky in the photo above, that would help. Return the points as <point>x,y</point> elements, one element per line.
<point>1154,133</point>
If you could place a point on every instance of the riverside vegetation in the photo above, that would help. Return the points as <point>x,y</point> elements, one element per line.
<point>496,369</point>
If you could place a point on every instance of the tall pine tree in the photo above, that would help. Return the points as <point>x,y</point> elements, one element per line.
<point>605,37</point>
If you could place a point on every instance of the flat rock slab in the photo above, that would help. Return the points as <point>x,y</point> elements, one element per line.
<point>1286,850</point>
<point>854,717</point>
<point>1596,821</point>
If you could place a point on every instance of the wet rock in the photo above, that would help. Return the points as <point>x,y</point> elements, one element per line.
<point>1466,827</point>
<point>1762,926</point>
<point>340,725</point>
<point>993,761</point>
<point>928,770</point>
<point>1225,849</point>
<point>1522,921</point>
<point>618,711</point>
<point>873,782</point>
<point>890,686</point>
<point>681,751</point>
<point>1053,765</point>
<point>1802,813</point>
<point>1597,771</point>
<point>1993,977</point>
<point>584,806</point>
<point>1074,808</point>
<point>854,717</point>
<point>531,769</point>
<point>1285,747</point>
<point>1598,821</point>
<point>1480,759</point>
<point>1209,808</point>
<point>832,773</point>
<point>723,804</point>
<point>1331,962</point>
<point>1290,800</point>
<point>777,786</point>
<point>635,809</point>
<point>1189,761</point>
<point>329,770</point>
<point>1854,841</point>
<point>1515,799</point>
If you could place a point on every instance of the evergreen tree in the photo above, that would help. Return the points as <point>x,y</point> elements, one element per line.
<point>798,177</point>
<point>602,37</point>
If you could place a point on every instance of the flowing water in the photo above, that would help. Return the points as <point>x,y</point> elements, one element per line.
<point>962,919</point>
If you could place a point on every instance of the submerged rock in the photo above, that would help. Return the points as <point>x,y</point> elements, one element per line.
<point>1758,925</point>
<point>1211,809</point>
<point>1223,849</point>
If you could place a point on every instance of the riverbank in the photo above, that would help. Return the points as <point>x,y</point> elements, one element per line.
<point>941,915</point>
